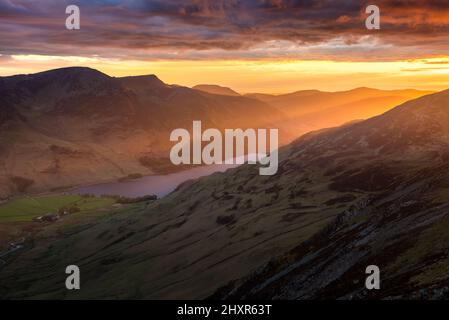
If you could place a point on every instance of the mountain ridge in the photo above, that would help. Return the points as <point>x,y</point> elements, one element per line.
<point>120,125</point>
<point>116,124</point>
<point>215,89</point>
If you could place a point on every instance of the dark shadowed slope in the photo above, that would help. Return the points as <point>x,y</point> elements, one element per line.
<point>373,192</point>
<point>400,161</point>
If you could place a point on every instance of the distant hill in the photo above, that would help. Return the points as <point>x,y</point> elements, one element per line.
<point>308,101</point>
<point>310,110</point>
<point>216,89</point>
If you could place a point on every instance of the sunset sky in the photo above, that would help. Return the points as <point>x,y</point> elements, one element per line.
<point>270,46</point>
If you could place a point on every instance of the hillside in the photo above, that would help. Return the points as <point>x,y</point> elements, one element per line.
<point>399,161</point>
<point>76,126</point>
<point>372,192</point>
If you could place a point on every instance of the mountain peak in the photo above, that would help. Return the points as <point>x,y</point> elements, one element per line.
<point>60,75</point>
<point>84,72</point>
<point>147,77</point>
<point>142,82</point>
<point>216,89</point>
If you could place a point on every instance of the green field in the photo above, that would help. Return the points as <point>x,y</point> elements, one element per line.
<point>27,208</point>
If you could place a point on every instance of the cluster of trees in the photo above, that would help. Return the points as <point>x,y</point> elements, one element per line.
<point>136,199</point>
<point>120,199</point>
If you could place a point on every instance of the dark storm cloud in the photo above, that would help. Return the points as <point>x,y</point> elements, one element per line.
<point>138,28</point>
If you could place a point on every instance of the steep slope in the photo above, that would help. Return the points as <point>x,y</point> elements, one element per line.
<point>215,89</point>
<point>400,161</point>
<point>371,192</point>
<point>77,125</point>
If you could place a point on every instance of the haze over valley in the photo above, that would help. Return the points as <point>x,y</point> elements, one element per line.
<point>78,126</point>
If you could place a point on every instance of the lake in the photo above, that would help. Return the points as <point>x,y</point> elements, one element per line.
<point>159,185</point>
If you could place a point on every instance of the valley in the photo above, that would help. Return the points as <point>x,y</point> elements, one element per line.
<point>213,156</point>
<point>238,235</point>
<point>77,126</point>
<point>229,224</point>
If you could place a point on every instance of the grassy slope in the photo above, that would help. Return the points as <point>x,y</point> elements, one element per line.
<point>27,208</point>
<point>227,225</point>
